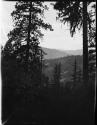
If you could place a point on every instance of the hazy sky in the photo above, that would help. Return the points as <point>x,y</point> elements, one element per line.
<point>59,38</point>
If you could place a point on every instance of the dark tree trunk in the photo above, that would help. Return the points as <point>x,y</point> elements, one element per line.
<point>41,70</point>
<point>28,40</point>
<point>85,44</point>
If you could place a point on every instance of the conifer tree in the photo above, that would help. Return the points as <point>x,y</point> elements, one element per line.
<point>57,76</point>
<point>79,75</point>
<point>24,39</point>
<point>21,56</point>
<point>75,13</point>
<point>74,75</point>
<point>92,43</point>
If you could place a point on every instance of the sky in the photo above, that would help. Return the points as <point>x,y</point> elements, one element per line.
<point>60,38</point>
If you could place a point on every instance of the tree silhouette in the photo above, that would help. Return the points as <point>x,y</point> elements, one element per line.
<point>57,76</point>
<point>23,41</point>
<point>75,13</point>
<point>79,75</point>
<point>74,75</point>
<point>92,43</point>
<point>26,34</point>
<point>21,56</point>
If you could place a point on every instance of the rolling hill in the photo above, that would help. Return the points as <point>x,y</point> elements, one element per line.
<point>54,53</point>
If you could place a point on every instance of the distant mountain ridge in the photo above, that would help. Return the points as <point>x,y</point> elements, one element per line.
<point>55,53</point>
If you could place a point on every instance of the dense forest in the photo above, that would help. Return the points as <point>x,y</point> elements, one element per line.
<point>39,91</point>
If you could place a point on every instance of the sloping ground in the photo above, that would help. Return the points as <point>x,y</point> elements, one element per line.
<point>52,108</point>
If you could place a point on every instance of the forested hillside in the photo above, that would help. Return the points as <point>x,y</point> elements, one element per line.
<point>66,66</point>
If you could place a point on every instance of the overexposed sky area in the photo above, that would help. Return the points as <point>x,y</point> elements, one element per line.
<point>60,38</point>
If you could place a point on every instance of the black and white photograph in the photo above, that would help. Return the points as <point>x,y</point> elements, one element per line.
<point>48,62</point>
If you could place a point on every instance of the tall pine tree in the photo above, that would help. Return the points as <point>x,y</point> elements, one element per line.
<point>24,38</point>
<point>75,13</point>
<point>21,56</point>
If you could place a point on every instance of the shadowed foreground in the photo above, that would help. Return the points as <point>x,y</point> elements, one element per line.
<point>51,108</point>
